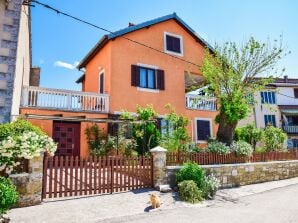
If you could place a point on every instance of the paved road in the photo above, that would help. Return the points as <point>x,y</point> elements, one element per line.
<point>275,206</point>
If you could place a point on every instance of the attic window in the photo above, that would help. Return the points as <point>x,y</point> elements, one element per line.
<point>173,44</point>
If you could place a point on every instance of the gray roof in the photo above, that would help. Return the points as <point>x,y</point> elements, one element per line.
<point>124,31</point>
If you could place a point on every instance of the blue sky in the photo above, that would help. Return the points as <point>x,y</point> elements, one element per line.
<point>59,42</point>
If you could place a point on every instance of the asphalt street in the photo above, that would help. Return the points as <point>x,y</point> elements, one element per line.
<point>274,206</point>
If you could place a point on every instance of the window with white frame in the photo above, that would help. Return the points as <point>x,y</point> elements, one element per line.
<point>173,44</point>
<point>146,77</point>
<point>203,129</point>
<point>166,128</point>
<point>268,97</point>
<point>270,120</point>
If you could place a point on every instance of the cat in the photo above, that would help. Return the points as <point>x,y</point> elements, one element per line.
<point>154,200</point>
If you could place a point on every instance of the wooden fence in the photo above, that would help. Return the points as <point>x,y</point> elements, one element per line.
<point>76,176</point>
<point>206,158</point>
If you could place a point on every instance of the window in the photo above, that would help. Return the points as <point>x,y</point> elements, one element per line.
<point>270,120</point>
<point>173,44</point>
<point>165,127</point>
<point>296,92</point>
<point>203,129</point>
<point>148,78</point>
<point>268,97</point>
<point>101,83</point>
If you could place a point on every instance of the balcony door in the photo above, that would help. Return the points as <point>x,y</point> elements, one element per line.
<point>67,135</point>
<point>101,83</point>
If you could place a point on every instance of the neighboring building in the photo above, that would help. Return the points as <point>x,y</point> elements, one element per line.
<point>121,74</point>
<point>15,56</point>
<point>278,105</point>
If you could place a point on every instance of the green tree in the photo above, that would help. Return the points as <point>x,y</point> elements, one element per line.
<point>231,72</point>
<point>177,138</point>
<point>144,131</point>
<point>250,134</point>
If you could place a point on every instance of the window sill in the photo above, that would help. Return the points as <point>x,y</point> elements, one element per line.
<point>202,141</point>
<point>174,53</point>
<point>148,90</point>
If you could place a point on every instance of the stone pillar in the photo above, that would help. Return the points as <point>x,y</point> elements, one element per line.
<point>159,157</point>
<point>29,185</point>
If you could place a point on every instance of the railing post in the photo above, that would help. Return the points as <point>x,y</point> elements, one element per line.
<point>25,96</point>
<point>68,101</point>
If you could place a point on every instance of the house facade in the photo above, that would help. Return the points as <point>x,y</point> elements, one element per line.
<point>277,105</point>
<point>145,64</point>
<point>15,56</point>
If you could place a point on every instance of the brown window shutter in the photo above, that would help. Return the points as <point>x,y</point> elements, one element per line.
<point>160,79</point>
<point>296,92</point>
<point>134,75</point>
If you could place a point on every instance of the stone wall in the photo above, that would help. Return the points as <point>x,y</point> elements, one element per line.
<point>233,175</point>
<point>29,185</point>
<point>14,55</point>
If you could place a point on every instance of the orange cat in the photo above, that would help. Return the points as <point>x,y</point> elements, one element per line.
<point>155,202</point>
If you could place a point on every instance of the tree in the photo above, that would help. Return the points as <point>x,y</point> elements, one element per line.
<point>177,138</point>
<point>231,72</point>
<point>144,131</point>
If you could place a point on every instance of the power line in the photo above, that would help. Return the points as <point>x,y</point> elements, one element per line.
<point>106,30</point>
<point>286,95</point>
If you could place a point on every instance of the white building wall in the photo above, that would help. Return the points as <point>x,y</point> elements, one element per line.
<point>23,63</point>
<point>284,100</point>
<point>259,110</point>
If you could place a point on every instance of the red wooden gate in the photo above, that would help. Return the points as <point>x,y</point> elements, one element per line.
<point>76,176</point>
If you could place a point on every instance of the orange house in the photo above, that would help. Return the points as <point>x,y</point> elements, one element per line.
<point>149,63</point>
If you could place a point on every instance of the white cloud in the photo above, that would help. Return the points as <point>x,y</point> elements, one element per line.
<point>66,65</point>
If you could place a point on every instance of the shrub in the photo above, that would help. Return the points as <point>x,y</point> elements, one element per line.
<point>189,192</point>
<point>217,147</point>
<point>210,186</point>
<point>260,150</point>
<point>191,171</point>
<point>8,195</point>
<point>17,128</point>
<point>274,139</point>
<point>26,145</point>
<point>242,148</point>
<point>249,134</point>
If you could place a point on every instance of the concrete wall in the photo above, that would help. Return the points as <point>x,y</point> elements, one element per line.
<point>14,55</point>
<point>23,60</point>
<point>232,175</point>
<point>259,110</point>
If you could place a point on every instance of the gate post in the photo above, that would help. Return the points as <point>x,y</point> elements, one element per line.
<point>159,162</point>
<point>29,185</point>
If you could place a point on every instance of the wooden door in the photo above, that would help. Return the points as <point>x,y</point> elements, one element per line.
<point>67,135</point>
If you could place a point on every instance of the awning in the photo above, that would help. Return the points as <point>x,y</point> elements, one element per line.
<point>289,111</point>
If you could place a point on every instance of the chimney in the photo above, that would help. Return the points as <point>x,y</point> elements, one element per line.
<point>130,24</point>
<point>34,76</point>
<point>286,79</point>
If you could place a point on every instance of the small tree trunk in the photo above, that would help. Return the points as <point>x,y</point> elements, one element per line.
<point>226,130</point>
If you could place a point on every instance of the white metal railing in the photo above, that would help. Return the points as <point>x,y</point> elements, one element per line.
<point>64,99</point>
<point>198,102</point>
<point>290,128</point>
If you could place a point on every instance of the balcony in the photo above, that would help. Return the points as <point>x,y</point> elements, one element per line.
<point>66,100</point>
<point>291,129</point>
<point>198,102</point>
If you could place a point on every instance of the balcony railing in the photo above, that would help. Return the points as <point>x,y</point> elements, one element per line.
<point>197,102</point>
<point>59,99</point>
<point>290,128</point>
